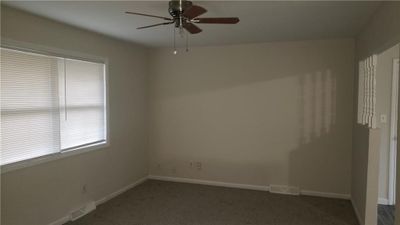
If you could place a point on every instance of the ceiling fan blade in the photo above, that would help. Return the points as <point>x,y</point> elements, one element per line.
<point>142,14</point>
<point>154,25</point>
<point>221,20</point>
<point>193,29</point>
<point>194,11</point>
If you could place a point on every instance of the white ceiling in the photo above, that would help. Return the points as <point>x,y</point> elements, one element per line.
<point>260,21</point>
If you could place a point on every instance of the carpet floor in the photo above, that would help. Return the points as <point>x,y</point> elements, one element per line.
<point>170,203</point>
<point>386,214</point>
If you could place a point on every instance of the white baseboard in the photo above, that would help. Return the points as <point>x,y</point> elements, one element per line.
<point>211,183</point>
<point>383,201</point>
<point>356,212</point>
<point>61,221</point>
<point>67,218</point>
<point>324,194</point>
<point>120,191</point>
<point>244,186</point>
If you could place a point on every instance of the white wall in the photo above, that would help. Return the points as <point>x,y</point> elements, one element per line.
<point>359,170</point>
<point>383,107</point>
<point>381,33</point>
<point>41,194</point>
<point>260,114</point>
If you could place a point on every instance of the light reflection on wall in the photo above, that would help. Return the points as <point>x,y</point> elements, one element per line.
<point>317,104</point>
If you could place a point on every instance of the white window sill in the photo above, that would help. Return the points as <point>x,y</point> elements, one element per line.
<point>52,157</point>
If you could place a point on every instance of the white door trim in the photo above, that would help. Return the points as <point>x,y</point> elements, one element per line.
<point>393,133</point>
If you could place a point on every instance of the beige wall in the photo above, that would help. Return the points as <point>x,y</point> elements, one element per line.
<point>360,170</point>
<point>260,114</point>
<point>381,33</point>
<point>383,107</point>
<point>41,194</point>
<point>371,216</point>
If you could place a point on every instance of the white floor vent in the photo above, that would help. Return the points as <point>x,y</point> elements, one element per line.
<point>283,189</point>
<point>76,214</point>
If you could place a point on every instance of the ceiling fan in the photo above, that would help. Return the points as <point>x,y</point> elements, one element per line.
<point>185,16</point>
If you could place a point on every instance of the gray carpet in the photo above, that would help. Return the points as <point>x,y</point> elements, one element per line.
<point>169,203</point>
<point>386,214</point>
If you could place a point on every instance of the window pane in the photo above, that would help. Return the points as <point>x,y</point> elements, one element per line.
<point>83,113</point>
<point>29,106</point>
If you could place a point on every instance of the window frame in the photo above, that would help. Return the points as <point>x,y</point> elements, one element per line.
<point>56,52</point>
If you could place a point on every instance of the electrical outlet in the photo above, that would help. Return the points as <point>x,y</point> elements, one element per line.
<point>158,166</point>
<point>199,165</point>
<point>84,189</point>
<point>383,118</point>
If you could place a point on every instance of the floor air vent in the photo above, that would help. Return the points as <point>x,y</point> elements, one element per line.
<point>76,214</point>
<point>283,189</point>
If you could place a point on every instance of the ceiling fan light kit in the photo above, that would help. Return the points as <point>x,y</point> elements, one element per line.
<point>184,17</point>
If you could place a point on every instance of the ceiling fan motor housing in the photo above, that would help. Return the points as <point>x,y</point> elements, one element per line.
<point>176,7</point>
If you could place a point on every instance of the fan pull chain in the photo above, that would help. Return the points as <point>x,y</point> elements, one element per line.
<point>187,42</point>
<point>175,51</point>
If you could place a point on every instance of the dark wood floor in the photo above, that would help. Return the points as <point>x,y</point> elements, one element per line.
<point>385,215</point>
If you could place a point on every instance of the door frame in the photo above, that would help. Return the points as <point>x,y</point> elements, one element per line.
<point>393,133</point>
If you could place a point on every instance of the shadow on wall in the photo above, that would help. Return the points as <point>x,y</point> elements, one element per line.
<point>256,114</point>
<point>316,155</point>
<point>211,137</point>
<point>212,68</point>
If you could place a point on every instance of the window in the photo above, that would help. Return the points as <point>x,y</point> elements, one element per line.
<point>49,105</point>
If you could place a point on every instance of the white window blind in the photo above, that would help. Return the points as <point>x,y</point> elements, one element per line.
<point>49,104</point>
<point>82,120</point>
